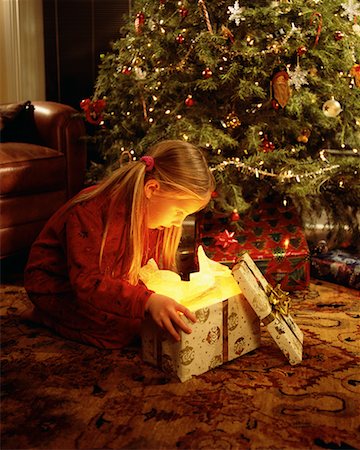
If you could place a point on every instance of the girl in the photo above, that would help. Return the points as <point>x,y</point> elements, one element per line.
<point>83,270</point>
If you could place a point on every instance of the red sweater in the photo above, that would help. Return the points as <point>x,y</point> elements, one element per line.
<point>63,279</point>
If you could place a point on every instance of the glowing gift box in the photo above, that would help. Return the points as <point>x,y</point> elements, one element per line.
<point>272,307</point>
<point>226,328</point>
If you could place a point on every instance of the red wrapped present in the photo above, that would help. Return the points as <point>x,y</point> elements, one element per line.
<point>272,235</point>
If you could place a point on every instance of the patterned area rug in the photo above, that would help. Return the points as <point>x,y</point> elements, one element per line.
<point>58,394</point>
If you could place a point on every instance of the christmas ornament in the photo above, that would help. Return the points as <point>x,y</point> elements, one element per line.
<point>356,28</point>
<point>234,217</point>
<point>189,101</point>
<point>232,121</point>
<point>140,74</point>
<point>313,71</point>
<point>207,73</point>
<point>351,8</point>
<point>214,194</point>
<point>304,136</point>
<point>331,108</point>
<point>126,70</point>
<point>298,77</point>
<point>275,104</point>
<point>180,38</point>
<point>319,28</point>
<point>183,12</point>
<point>227,34</point>
<point>93,110</point>
<point>267,146</point>
<point>339,35</point>
<point>236,13</point>
<point>139,22</point>
<point>321,247</point>
<point>206,16</point>
<point>355,72</point>
<point>225,239</point>
<point>280,87</point>
<point>301,50</point>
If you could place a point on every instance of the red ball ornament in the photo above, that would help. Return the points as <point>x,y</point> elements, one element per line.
<point>301,50</point>
<point>275,104</point>
<point>189,101</point>
<point>183,12</point>
<point>93,110</point>
<point>234,216</point>
<point>126,70</point>
<point>267,146</point>
<point>214,194</point>
<point>207,73</point>
<point>180,38</point>
<point>339,35</point>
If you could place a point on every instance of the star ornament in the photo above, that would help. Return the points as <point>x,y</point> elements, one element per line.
<point>236,13</point>
<point>225,239</point>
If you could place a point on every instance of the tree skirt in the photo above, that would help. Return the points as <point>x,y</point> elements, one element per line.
<point>59,394</point>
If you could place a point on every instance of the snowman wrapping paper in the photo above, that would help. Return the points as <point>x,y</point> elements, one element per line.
<point>226,328</point>
<point>229,306</point>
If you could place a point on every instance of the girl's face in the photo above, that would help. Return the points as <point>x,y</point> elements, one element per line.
<point>166,210</point>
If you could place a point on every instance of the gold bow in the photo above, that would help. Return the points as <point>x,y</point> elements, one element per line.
<point>279,299</point>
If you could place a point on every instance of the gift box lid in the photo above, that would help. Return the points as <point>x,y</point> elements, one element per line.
<point>272,307</point>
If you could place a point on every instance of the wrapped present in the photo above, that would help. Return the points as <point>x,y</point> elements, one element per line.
<point>272,307</point>
<point>273,237</point>
<point>337,266</point>
<point>226,328</point>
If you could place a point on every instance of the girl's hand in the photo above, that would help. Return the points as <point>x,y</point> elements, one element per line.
<point>165,313</point>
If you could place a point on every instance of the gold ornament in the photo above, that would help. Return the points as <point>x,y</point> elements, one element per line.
<point>227,34</point>
<point>232,121</point>
<point>313,71</point>
<point>331,108</point>
<point>304,136</point>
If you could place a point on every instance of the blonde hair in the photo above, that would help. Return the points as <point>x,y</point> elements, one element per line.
<point>180,168</point>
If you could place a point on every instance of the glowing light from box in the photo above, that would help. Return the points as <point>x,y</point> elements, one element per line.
<point>213,283</point>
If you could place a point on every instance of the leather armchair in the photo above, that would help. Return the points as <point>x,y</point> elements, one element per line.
<point>38,177</point>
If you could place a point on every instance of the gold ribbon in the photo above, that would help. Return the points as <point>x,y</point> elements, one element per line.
<point>278,299</point>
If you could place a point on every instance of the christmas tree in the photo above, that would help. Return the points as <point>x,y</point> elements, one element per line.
<point>269,89</point>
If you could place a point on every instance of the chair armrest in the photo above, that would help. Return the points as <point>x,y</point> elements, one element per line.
<point>60,128</point>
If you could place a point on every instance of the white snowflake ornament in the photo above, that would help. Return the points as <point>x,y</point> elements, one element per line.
<point>236,13</point>
<point>297,77</point>
<point>351,8</point>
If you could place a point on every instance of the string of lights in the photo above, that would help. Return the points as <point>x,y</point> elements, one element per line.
<point>287,175</point>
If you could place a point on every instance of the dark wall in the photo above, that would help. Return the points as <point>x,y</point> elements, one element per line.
<point>76,33</point>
